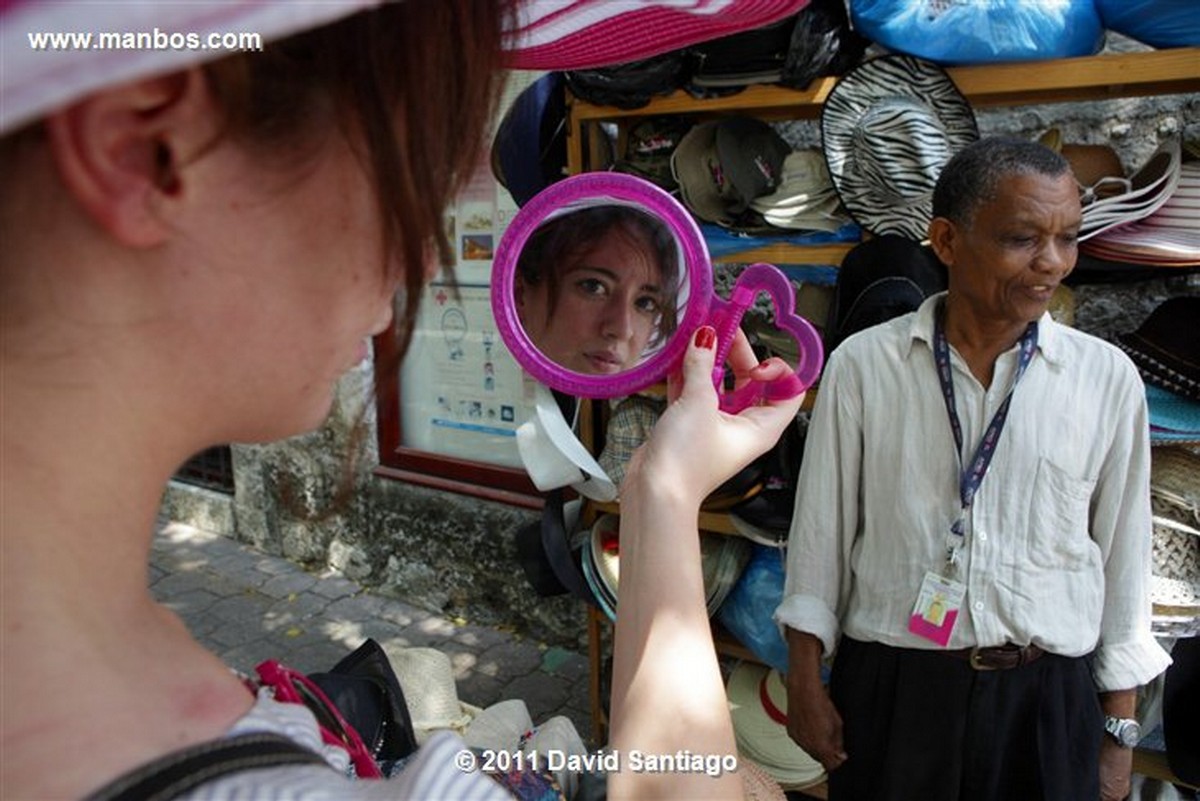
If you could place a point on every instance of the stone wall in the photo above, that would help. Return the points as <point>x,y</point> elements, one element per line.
<point>455,554</point>
<point>308,499</point>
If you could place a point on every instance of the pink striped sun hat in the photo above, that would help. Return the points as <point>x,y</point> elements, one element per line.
<point>51,51</point>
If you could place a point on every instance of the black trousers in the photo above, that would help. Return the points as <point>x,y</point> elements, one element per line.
<point>925,726</point>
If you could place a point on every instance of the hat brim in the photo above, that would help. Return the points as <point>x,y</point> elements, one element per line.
<point>1172,412</point>
<point>887,78</point>
<point>761,738</point>
<point>544,36</point>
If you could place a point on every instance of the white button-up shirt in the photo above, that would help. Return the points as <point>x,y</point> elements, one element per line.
<point>1056,546</point>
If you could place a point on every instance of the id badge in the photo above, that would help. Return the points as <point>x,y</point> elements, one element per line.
<point>936,610</point>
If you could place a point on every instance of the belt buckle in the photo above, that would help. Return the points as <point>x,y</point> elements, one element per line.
<point>975,660</point>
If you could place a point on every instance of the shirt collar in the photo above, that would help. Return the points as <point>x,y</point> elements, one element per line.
<point>921,329</point>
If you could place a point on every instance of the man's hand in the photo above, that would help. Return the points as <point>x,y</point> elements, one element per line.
<point>813,721</point>
<point>1116,765</point>
<point>814,724</point>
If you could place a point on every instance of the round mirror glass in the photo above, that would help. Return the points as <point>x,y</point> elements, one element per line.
<point>597,283</point>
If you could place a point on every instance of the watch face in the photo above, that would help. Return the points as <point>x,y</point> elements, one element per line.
<point>1126,732</point>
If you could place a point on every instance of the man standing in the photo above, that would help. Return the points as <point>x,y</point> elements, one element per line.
<point>972,526</point>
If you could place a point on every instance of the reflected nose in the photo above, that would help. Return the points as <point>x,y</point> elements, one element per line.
<point>618,321</point>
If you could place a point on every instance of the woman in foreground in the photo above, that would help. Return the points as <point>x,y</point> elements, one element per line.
<point>194,258</point>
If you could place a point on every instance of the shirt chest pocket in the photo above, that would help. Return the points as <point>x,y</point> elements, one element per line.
<point>1058,534</point>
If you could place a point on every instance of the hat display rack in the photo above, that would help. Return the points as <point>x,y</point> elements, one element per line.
<point>933,107</point>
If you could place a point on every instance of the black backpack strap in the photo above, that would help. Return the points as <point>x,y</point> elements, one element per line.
<point>181,771</point>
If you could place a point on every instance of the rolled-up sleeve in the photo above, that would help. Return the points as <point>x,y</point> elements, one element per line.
<point>827,512</point>
<point>1126,655</point>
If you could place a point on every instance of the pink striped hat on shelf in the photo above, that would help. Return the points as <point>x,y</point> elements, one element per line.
<point>51,54</point>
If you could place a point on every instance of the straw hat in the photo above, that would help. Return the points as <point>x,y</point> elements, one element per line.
<point>427,679</point>
<point>499,727</point>
<point>1149,188</point>
<point>887,128</point>
<point>757,784</point>
<point>506,726</point>
<point>1175,566</point>
<point>758,704</point>
<point>722,560</point>
<point>1168,237</point>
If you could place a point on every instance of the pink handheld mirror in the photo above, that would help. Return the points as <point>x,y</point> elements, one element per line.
<point>600,280</point>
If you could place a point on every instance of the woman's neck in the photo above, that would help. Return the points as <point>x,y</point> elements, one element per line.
<point>78,520</point>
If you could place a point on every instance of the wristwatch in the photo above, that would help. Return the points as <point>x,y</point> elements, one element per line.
<point>1125,731</point>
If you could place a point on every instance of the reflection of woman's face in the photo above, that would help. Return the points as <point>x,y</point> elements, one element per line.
<point>608,307</point>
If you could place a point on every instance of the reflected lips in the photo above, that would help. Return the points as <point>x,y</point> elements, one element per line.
<point>603,362</point>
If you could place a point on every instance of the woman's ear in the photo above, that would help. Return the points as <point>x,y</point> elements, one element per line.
<point>121,152</point>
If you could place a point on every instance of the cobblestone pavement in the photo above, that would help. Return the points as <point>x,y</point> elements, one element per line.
<point>247,606</point>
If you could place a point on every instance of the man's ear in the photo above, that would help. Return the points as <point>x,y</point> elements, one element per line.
<point>120,152</point>
<point>943,236</point>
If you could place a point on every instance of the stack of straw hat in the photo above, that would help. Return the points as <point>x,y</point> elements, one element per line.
<point>722,560</point>
<point>1154,221</point>
<point>758,704</point>
<point>507,727</point>
<point>1175,504</point>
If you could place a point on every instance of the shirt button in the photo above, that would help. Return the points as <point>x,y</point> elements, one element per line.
<point>979,606</point>
<point>983,536</point>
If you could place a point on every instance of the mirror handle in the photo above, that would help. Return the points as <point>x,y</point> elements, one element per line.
<point>726,316</point>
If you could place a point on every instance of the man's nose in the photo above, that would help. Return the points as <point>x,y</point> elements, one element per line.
<point>1056,257</point>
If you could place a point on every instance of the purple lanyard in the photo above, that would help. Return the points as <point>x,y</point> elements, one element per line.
<point>972,477</point>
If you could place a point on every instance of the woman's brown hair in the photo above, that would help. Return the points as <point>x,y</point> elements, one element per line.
<point>415,82</point>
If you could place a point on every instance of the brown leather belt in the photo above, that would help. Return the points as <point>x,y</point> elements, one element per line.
<point>1000,657</point>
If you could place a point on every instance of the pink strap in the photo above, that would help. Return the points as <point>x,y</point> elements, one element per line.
<point>291,686</point>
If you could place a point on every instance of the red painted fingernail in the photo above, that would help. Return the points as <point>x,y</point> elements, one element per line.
<point>706,337</point>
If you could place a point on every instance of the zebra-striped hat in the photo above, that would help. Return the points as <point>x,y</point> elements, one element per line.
<point>887,128</point>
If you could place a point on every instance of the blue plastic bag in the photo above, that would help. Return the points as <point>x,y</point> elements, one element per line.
<point>982,31</point>
<point>746,612</point>
<point>1158,23</point>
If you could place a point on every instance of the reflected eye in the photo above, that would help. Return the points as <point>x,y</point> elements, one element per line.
<point>591,286</point>
<point>648,304</point>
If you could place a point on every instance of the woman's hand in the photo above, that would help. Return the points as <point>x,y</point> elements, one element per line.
<point>695,446</point>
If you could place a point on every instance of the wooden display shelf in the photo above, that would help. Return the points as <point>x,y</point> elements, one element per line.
<point>1100,77</point>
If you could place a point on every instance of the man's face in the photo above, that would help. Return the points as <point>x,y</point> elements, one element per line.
<point>1007,262</point>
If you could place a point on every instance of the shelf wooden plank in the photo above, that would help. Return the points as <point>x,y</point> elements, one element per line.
<point>1102,77</point>
<point>1099,77</point>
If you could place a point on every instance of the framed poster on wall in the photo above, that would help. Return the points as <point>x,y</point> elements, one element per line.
<point>448,417</point>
